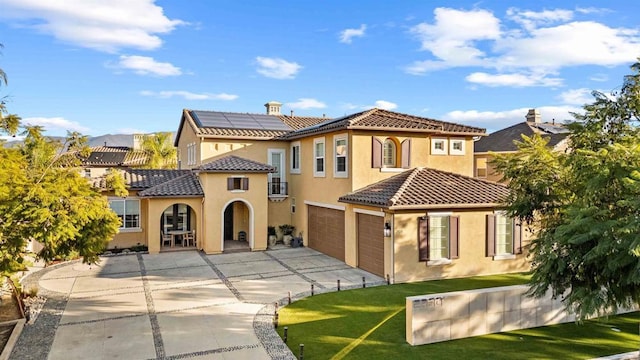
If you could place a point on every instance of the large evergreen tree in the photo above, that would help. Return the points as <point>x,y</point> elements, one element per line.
<point>584,205</point>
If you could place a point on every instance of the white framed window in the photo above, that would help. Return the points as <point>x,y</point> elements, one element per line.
<point>295,157</point>
<point>503,237</point>
<point>341,150</point>
<point>438,238</point>
<point>277,180</point>
<point>504,234</point>
<point>456,146</point>
<point>318,157</point>
<point>389,153</point>
<point>191,154</point>
<point>128,210</point>
<point>439,146</point>
<point>481,167</point>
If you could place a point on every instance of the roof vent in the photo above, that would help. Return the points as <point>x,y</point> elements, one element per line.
<point>273,107</point>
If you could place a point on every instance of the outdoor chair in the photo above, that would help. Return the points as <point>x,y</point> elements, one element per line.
<point>167,239</point>
<point>189,239</point>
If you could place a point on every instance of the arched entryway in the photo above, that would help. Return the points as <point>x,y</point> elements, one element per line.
<point>237,226</point>
<point>177,227</point>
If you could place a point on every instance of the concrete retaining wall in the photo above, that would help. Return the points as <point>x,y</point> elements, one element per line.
<point>460,314</point>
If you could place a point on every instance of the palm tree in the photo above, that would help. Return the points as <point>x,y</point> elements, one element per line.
<point>161,154</point>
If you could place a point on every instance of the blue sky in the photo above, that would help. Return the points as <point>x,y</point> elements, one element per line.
<point>123,66</point>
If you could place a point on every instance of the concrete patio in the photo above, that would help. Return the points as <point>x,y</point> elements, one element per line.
<point>176,305</point>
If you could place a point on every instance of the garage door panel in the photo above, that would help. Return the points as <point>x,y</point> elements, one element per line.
<point>371,243</point>
<point>326,231</point>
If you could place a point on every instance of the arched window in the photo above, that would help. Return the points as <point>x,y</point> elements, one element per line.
<point>389,153</point>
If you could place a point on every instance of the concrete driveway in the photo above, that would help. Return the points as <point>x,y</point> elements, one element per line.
<point>176,305</point>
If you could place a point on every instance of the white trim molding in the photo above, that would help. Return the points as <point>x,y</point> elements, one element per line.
<point>324,205</point>
<point>368,212</point>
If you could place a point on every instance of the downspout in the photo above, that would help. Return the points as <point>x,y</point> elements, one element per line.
<point>393,248</point>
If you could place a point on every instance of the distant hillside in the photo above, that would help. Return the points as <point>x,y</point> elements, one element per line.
<point>101,140</point>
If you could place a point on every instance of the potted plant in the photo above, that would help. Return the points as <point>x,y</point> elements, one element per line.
<point>271,232</point>
<point>287,230</point>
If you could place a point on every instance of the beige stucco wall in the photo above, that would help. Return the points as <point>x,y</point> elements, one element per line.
<point>459,164</point>
<point>256,150</point>
<point>472,260</point>
<point>216,200</point>
<point>322,190</point>
<point>127,238</point>
<point>187,136</point>
<point>492,174</point>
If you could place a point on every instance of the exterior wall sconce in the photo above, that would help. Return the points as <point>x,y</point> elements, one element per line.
<point>387,229</point>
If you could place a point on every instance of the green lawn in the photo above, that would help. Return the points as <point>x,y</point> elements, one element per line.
<point>370,324</point>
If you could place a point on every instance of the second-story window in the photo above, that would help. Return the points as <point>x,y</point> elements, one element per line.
<point>295,158</point>
<point>438,146</point>
<point>457,147</point>
<point>341,150</point>
<point>389,153</point>
<point>318,153</point>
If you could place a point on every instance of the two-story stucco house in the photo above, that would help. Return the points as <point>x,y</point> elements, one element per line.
<point>391,193</point>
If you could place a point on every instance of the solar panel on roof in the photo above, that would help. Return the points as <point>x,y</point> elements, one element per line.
<point>553,129</point>
<point>212,119</point>
<point>224,120</point>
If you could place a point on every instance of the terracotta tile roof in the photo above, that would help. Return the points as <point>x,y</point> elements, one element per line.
<point>186,185</point>
<point>234,163</point>
<point>425,188</point>
<point>503,140</point>
<point>300,122</point>
<point>379,119</point>
<point>140,179</point>
<point>254,133</point>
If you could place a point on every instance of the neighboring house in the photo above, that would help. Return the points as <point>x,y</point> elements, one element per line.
<point>391,193</point>
<point>504,141</point>
<point>105,157</point>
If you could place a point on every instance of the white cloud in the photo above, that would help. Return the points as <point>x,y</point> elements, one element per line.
<point>380,104</point>
<point>452,37</point>
<point>521,46</point>
<point>350,106</point>
<point>532,19</point>
<point>187,95</point>
<point>513,80</point>
<point>144,65</point>
<point>577,96</point>
<point>102,25</point>
<point>599,77</point>
<point>277,68</point>
<point>347,35</point>
<point>55,124</point>
<point>383,104</point>
<point>307,103</point>
<point>496,120</point>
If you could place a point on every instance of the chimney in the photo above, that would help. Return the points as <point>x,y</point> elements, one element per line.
<point>291,113</point>
<point>533,116</point>
<point>273,107</point>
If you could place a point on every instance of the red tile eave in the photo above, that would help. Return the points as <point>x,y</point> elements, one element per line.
<point>169,196</point>
<point>445,206</point>
<point>232,171</point>
<point>439,132</point>
<point>235,137</point>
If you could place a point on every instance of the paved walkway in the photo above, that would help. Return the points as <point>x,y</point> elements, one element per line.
<point>180,305</point>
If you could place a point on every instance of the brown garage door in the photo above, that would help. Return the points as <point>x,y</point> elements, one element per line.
<point>371,243</point>
<point>326,231</point>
